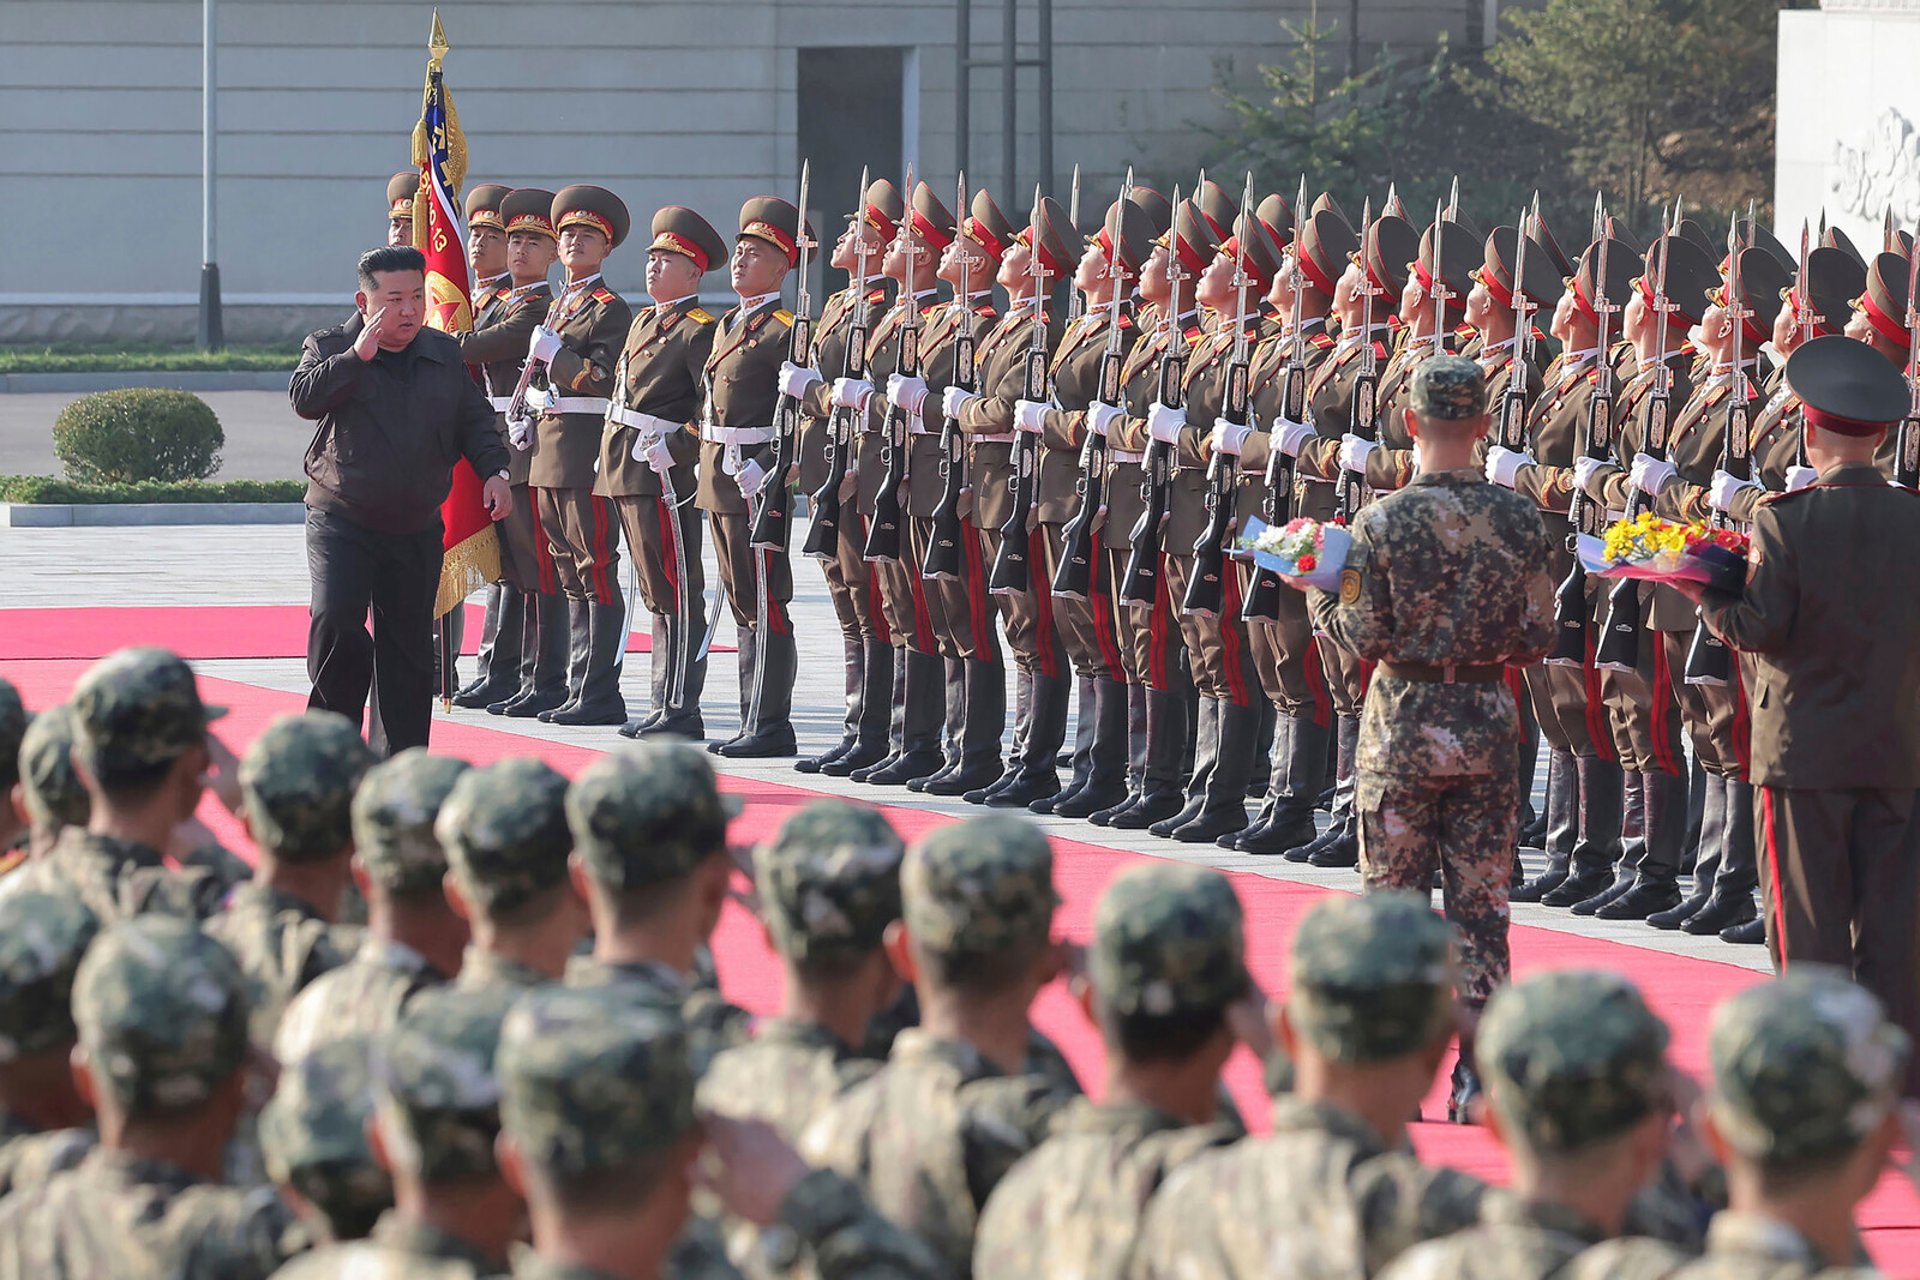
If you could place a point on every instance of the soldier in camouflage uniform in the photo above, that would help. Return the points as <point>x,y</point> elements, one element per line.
<point>829,885</point>
<point>51,796</point>
<point>1581,1097</point>
<point>599,1131</point>
<point>1803,1109</point>
<point>142,750</point>
<point>14,823</point>
<point>1446,583</point>
<point>650,846</point>
<point>45,1125</point>
<point>296,782</point>
<point>1166,965</point>
<point>413,939</point>
<point>313,1133</point>
<point>437,1103</point>
<point>162,1015</point>
<point>504,830</point>
<point>934,1131</point>
<point>1333,1191</point>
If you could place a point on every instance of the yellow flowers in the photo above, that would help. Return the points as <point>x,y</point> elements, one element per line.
<point>1648,539</point>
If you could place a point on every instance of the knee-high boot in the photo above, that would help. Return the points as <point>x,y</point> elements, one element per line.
<point>1165,769</point>
<point>1731,900</point>
<point>543,662</point>
<point>986,720</point>
<point>1206,741</point>
<point>924,694</point>
<point>1136,757</point>
<point>1107,768</point>
<point>1224,803</point>
<point>600,700</point>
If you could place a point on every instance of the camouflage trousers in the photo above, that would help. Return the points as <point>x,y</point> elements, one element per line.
<point>1468,825</point>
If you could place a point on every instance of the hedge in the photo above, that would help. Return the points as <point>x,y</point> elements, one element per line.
<point>53,491</point>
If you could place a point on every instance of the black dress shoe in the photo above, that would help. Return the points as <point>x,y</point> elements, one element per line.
<point>1103,817</point>
<point>1722,911</point>
<point>1045,804</point>
<point>1676,916</point>
<point>1186,813</point>
<point>1591,905</point>
<point>526,706</point>
<point>776,740</point>
<point>863,756</point>
<point>585,713</point>
<point>1301,852</point>
<point>1286,831</point>
<point>1090,800</point>
<point>1640,901</point>
<point>946,770</point>
<point>1024,791</point>
<point>1147,810</point>
<point>962,781</point>
<point>484,693</point>
<point>1466,1087</point>
<point>1211,824</point>
<point>1534,834</point>
<point>907,766</point>
<point>1578,888</point>
<point>866,771</point>
<point>812,764</point>
<point>1752,931</point>
<point>1540,886</point>
<point>1343,851</point>
<point>640,724</point>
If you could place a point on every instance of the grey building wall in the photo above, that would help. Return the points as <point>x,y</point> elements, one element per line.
<point>664,102</point>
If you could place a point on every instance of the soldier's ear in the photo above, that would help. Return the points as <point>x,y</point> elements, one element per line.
<point>77,1062</point>
<point>1081,988</point>
<point>1412,420</point>
<point>513,1170</point>
<point>17,797</point>
<point>1285,1032</point>
<point>899,946</point>
<point>377,1143</point>
<point>456,900</point>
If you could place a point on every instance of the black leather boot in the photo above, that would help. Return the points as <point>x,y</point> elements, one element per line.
<point>1039,773</point>
<point>1562,818</point>
<point>600,700</point>
<point>1161,793</point>
<point>1656,886</point>
<point>954,674</point>
<point>1022,721</point>
<point>1080,759</point>
<point>986,718</point>
<point>1136,757</point>
<point>854,654</point>
<point>579,642</point>
<point>1260,776</point>
<point>926,704</point>
<point>1106,782</point>
<point>1206,740</point>
<point>746,642</point>
<point>499,673</point>
<point>873,719</point>
<point>1711,839</point>
<point>1300,756</point>
<point>1597,849</point>
<point>772,721</point>
<point>1340,846</point>
<point>543,662</point>
<point>1731,900</point>
<point>896,720</point>
<point>1224,807</point>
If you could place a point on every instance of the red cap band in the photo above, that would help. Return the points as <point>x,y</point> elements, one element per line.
<point>586,217</point>
<point>767,231</point>
<point>1311,270</point>
<point>679,244</point>
<point>1883,324</point>
<point>879,221</point>
<point>1841,426</point>
<point>926,230</point>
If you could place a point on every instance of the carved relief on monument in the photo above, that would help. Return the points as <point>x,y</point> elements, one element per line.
<point>1879,169</point>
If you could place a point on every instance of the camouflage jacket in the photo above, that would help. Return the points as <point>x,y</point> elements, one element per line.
<point>362,997</point>
<point>1072,1208</point>
<point>29,1157</point>
<point>119,879</point>
<point>786,1075</point>
<point>282,944</point>
<point>397,1250</point>
<point>1450,569</point>
<point>712,1023</point>
<point>1740,1246</point>
<point>480,970</point>
<point>1516,1240</point>
<point>1321,1196</point>
<point>115,1215</point>
<point>931,1135</point>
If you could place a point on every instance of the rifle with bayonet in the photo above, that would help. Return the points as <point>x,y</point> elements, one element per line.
<point>1262,602</point>
<point>1206,588</point>
<point>1073,580</point>
<point>1140,583</point>
<point>1515,403</point>
<point>773,511</point>
<point>1708,660</point>
<point>1012,571</point>
<point>1906,457</point>
<point>1570,604</point>
<point>1366,385</point>
<point>829,511</point>
<point>942,562</point>
<point>1441,293</point>
<point>884,539</point>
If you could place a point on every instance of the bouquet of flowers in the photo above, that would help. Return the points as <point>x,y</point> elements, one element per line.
<point>1667,551</point>
<point>1302,548</point>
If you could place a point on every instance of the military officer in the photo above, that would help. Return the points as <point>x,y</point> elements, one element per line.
<point>647,462</point>
<point>828,442</point>
<point>740,388</point>
<point>1833,746</point>
<point>401,188</point>
<point>986,414</point>
<point>577,346</point>
<point>526,655</point>
<point>1442,613</point>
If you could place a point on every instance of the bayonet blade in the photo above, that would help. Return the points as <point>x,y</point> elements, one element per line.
<point>1073,205</point>
<point>1453,198</point>
<point>806,244</point>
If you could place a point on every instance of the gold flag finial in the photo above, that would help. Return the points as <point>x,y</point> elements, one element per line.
<point>437,45</point>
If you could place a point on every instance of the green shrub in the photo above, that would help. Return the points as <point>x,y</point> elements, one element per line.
<point>52,491</point>
<point>141,433</point>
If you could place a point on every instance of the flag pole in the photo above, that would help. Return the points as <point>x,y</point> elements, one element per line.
<point>211,335</point>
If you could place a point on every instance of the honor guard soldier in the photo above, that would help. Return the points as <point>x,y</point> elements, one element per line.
<point>1566,697</point>
<point>987,416</point>
<point>741,388</point>
<point>401,188</point>
<point>1105,276</point>
<point>526,652</point>
<point>1879,317</point>
<point>1227,715</point>
<point>828,442</point>
<point>940,499</point>
<point>486,239</point>
<point>647,462</point>
<point>1828,613</point>
<point>1285,651</point>
<point>579,345</point>
<point>1364,302</point>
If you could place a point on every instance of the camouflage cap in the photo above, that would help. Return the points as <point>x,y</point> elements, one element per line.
<point>313,1133</point>
<point>1371,976</point>
<point>297,781</point>
<point>979,885</point>
<point>648,813</point>
<point>55,795</point>
<point>593,1077</point>
<point>1573,1058</point>
<point>393,817</point>
<point>1168,938</point>
<point>829,880</point>
<point>136,709</point>
<point>1449,388</point>
<point>162,1013</point>
<point>504,830</point>
<point>43,937</point>
<point>434,1081</point>
<point>13,726</point>
<point>1803,1067</point>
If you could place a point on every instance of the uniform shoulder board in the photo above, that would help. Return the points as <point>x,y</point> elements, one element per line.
<point>1719,393</point>
<point>877,294</point>
<point>602,294</point>
<point>701,315</point>
<point>1126,321</point>
<point>783,315</point>
<point>1320,340</point>
<point>1774,496</point>
<point>1194,332</point>
<point>985,309</point>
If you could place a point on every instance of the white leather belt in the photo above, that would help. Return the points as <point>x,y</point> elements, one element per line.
<point>645,422</point>
<point>1125,455</point>
<point>500,403</point>
<point>735,435</point>
<point>595,405</point>
<point>1004,437</point>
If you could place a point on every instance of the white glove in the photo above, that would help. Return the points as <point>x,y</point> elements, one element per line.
<point>851,393</point>
<point>1165,424</point>
<point>1029,416</point>
<point>1354,451</point>
<point>543,344</point>
<point>953,399</point>
<point>1720,492</point>
<point>1289,436</point>
<point>1229,438</point>
<point>906,392</point>
<point>520,434</point>
<point>1799,478</point>
<point>1504,464</point>
<point>1649,474</point>
<point>752,476</point>
<point>796,378</point>
<point>653,451</point>
<point>1584,469</point>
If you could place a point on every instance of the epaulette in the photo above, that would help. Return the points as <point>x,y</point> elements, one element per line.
<point>702,315</point>
<point>783,315</point>
<point>1320,339</point>
<point>1193,333</point>
<point>877,294</point>
<point>1125,321</point>
<point>1464,331</point>
<point>603,294</point>
<point>985,309</point>
<point>1718,394</point>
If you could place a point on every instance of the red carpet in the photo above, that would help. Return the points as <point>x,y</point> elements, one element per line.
<point>213,631</point>
<point>1681,989</point>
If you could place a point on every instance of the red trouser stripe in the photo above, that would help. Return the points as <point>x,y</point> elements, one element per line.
<point>876,603</point>
<point>1663,707</point>
<point>1045,647</point>
<point>1770,833</point>
<point>1232,643</point>
<point>777,621</point>
<point>1742,725</point>
<point>1157,619</point>
<point>543,549</point>
<point>979,614</point>
<point>1599,728</point>
<point>1100,604</point>
<point>1316,676</point>
<point>602,509</point>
